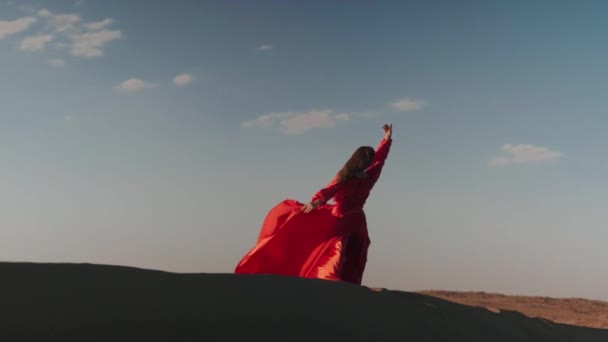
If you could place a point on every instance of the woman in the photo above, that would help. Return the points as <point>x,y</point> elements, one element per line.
<point>317,239</point>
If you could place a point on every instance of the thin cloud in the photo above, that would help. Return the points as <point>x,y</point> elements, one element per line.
<point>182,80</point>
<point>408,105</point>
<point>264,47</point>
<point>265,121</point>
<point>44,13</point>
<point>524,154</point>
<point>132,85</point>
<point>292,123</point>
<point>10,27</point>
<point>60,22</point>
<point>67,31</point>
<point>98,25</point>
<point>35,43</point>
<point>91,44</point>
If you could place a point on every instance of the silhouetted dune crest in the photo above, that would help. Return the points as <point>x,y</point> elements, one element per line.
<point>86,302</point>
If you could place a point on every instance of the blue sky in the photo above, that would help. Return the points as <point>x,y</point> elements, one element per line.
<point>159,134</point>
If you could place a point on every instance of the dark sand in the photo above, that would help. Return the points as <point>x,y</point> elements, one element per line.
<point>84,302</point>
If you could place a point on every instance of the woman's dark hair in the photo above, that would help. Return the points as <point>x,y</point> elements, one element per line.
<point>361,159</point>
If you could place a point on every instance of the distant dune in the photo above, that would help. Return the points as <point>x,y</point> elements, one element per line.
<point>574,311</point>
<point>84,302</point>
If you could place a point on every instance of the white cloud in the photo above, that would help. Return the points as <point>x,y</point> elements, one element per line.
<point>10,27</point>
<point>298,123</point>
<point>408,105</point>
<point>264,47</point>
<point>66,31</point>
<point>66,22</point>
<point>98,25</point>
<point>266,120</point>
<point>72,33</point>
<point>182,80</point>
<point>35,43</point>
<point>60,22</point>
<point>524,153</point>
<point>57,63</point>
<point>90,44</point>
<point>301,122</point>
<point>133,85</point>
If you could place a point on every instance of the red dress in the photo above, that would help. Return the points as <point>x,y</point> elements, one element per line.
<point>329,242</point>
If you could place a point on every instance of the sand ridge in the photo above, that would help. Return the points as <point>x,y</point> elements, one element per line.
<point>87,302</point>
<point>573,311</point>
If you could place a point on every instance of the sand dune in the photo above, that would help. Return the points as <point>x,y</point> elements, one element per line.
<point>573,311</point>
<point>83,302</point>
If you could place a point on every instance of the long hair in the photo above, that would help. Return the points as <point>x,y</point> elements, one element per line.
<point>360,160</point>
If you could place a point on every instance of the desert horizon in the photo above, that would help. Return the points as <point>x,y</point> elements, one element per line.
<point>439,165</point>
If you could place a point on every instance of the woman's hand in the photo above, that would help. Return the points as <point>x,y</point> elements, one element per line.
<point>388,131</point>
<point>308,207</point>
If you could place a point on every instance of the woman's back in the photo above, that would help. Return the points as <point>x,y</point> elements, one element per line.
<point>351,194</point>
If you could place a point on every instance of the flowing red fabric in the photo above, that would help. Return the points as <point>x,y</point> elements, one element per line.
<point>330,242</point>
